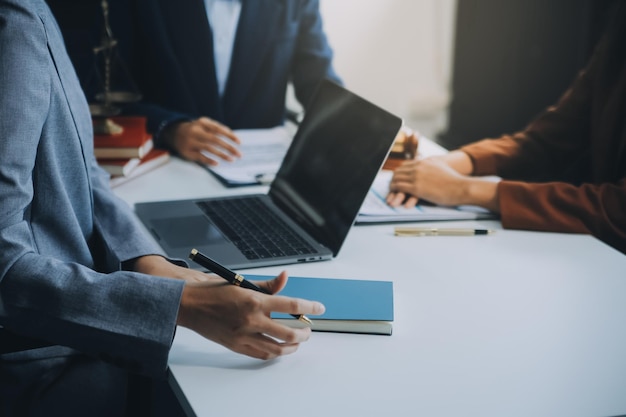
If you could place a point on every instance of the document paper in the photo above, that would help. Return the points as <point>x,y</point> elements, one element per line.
<point>262,153</point>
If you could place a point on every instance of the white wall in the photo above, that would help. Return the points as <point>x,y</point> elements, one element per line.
<point>396,53</point>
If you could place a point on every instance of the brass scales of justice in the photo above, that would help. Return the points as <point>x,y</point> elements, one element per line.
<point>114,72</point>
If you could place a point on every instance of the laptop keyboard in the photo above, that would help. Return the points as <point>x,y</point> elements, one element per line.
<point>255,229</point>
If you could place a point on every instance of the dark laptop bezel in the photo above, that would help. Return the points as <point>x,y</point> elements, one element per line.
<point>343,98</point>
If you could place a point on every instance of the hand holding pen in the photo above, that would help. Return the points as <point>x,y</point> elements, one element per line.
<point>233,277</point>
<point>240,320</point>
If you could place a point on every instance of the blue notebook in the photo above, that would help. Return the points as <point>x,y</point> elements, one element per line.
<point>352,306</point>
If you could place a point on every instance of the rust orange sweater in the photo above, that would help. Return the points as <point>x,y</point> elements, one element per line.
<point>566,172</point>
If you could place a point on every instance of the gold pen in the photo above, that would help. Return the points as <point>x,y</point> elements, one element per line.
<point>434,231</point>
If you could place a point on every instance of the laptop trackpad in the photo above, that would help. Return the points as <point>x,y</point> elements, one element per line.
<point>180,232</point>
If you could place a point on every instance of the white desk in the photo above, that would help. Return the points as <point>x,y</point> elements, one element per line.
<point>513,324</point>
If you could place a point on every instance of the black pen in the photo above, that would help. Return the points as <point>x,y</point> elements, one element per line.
<point>233,277</point>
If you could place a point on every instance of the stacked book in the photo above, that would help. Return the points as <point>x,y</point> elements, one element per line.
<point>127,150</point>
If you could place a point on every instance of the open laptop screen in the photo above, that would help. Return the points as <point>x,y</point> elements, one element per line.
<point>352,137</point>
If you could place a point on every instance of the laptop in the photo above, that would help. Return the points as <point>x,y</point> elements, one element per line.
<point>312,202</point>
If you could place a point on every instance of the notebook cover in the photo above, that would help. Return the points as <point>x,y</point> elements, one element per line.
<point>346,300</point>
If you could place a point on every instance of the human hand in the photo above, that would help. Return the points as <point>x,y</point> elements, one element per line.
<point>443,180</point>
<point>239,319</point>
<point>204,140</point>
<point>432,179</point>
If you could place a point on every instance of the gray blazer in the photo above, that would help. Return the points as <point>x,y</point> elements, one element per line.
<point>63,234</point>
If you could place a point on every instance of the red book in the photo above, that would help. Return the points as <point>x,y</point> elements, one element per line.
<point>155,158</point>
<point>133,141</point>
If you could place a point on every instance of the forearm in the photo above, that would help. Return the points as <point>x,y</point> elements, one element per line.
<point>459,161</point>
<point>474,191</point>
<point>481,192</point>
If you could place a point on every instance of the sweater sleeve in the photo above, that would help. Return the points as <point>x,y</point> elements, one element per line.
<point>552,147</point>
<point>549,180</point>
<point>561,207</point>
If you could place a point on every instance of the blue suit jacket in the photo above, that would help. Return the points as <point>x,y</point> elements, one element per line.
<point>169,47</point>
<point>63,233</point>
